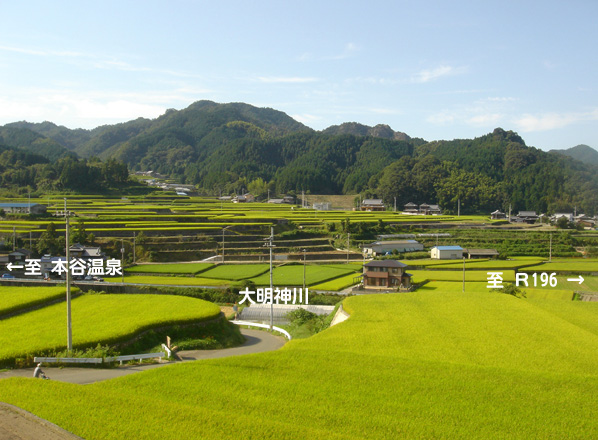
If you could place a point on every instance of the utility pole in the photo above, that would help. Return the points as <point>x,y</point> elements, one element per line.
<point>223,244</point>
<point>134,245</point>
<point>463,273</point>
<point>269,245</point>
<point>458,207</point>
<point>224,229</point>
<point>550,249</point>
<point>69,325</point>
<point>304,269</point>
<point>348,244</point>
<point>122,257</point>
<point>395,204</point>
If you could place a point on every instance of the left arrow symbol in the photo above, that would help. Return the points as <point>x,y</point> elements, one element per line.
<point>11,266</point>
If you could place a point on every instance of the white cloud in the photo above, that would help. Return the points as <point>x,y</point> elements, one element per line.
<point>74,109</point>
<point>501,99</point>
<point>486,119</point>
<point>45,53</point>
<point>444,117</point>
<point>384,111</point>
<point>287,79</point>
<point>428,75</point>
<point>306,118</point>
<point>114,110</point>
<point>551,121</point>
<point>348,51</point>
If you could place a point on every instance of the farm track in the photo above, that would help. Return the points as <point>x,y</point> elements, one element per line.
<point>256,341</point>
<point>18,424</point>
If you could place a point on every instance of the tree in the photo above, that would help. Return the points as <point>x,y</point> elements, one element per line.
<point>562,223</point>
<point>258,187</point>
<point>47,242</point>
<point>78,235</point>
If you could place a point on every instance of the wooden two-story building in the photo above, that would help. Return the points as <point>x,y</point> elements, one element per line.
<point>386,274</point>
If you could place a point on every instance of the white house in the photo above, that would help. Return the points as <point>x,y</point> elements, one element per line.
<point>447,252</point>
<point>322,206</point>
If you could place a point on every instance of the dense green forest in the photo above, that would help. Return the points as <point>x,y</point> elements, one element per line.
<point>487,173</point>
<point>229,148</point>
<point>21,171</point>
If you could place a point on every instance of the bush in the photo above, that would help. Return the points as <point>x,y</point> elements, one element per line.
<point>512,289</point>
<point>300,316</point>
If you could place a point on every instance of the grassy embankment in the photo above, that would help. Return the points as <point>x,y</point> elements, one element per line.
<point>430,364</point>
<point>13,299</point>
<point>105,319</point>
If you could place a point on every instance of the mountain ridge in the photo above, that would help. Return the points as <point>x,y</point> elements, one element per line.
<point>583,153</point>
<point>229,148</point>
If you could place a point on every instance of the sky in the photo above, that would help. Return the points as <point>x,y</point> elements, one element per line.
<point>432,69</point>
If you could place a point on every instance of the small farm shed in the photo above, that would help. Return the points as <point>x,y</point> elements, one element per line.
<point>481,253</point>
<point>447,252</point>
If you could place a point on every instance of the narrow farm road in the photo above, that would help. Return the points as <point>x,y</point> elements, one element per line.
<point>256,341</point>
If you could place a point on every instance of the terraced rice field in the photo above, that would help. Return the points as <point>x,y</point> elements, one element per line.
<point>430,364</point>
<point>96,319</point>
<point>18,298</point>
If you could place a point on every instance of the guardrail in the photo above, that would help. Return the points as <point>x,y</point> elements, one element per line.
<point>69,360</point>
<point>120,359</point>
<point>255,324</point>
<point>132,357</point>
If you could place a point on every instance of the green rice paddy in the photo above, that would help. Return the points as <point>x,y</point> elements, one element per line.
<point>175,268</point>
<point>19,298</point>
<point>96,319</point>
<point>429,364</point>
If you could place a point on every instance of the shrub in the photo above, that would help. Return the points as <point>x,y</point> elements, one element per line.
<point>512,289</point>
<point>301,316</point>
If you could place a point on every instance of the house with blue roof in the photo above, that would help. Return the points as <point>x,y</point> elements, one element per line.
<point>447,253</point>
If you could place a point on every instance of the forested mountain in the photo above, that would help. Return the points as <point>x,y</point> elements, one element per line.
<point>582,152</point>
<point>357,129</point>
<point>22,171</point>
<point>64,136</point>
<point>487,173</point>
<point>228,148</point>
<point>25,139</point>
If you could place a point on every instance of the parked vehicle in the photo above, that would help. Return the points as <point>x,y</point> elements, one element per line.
<point>8,275</point>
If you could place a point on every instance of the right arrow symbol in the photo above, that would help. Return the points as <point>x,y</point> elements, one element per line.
<point>580,279</point>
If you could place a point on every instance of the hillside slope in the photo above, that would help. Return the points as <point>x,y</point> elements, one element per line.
<point>583,153</point>
<point>430,364</point>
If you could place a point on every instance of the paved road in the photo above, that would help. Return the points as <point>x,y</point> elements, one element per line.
<point>256,342</point>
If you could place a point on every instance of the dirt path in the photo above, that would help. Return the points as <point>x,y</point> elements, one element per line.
<point>17,424</point>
